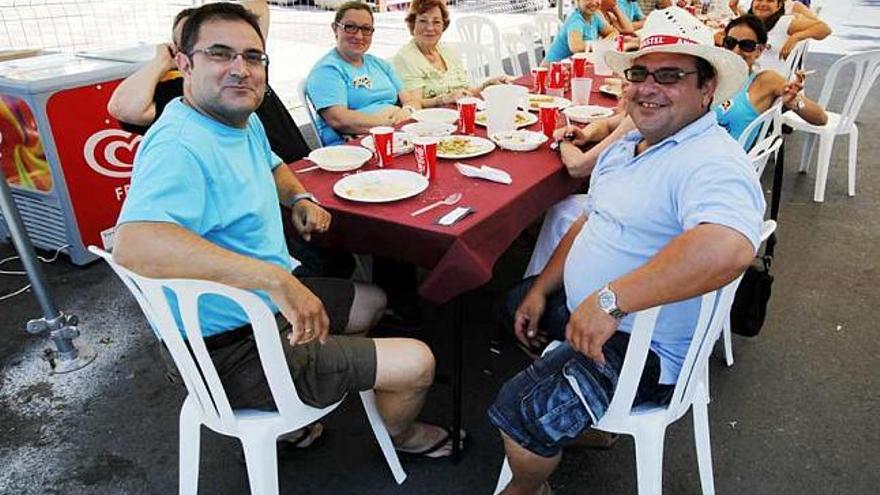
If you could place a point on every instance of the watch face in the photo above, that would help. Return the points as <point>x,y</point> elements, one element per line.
<point>606,300</point>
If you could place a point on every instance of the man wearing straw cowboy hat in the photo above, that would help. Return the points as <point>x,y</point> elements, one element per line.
<point>674,211</point>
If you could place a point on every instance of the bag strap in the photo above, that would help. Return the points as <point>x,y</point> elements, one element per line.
<point>775,198</point>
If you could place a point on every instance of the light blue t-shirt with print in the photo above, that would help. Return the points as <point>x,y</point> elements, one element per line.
<point>590,29</point>
<point>369,88</point>
<point>636,205</point>
<point>215,181</point>
<point>632,9</point>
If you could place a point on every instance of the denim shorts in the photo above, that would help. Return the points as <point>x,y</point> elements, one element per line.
<point>539,409</point>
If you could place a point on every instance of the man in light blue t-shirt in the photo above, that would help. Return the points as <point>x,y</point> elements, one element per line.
<point>352,90</point>
<point>203,204</point>
<point>585,23</point>
<point>674,210</point>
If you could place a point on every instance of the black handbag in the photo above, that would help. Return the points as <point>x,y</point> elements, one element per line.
<point>749,307</point>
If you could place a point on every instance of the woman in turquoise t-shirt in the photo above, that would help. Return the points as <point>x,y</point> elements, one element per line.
<point>583,24</point>
<point>746,37</point>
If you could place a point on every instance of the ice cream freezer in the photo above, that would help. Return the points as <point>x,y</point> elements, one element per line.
<point>65,158</point>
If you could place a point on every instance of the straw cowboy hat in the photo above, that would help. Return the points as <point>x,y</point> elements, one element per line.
<point>674,30</point>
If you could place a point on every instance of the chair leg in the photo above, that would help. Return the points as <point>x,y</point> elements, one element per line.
<point>728,343</point>
<point>807,152</point>
<point>368,397</point>
<point>504,477</point>
<point>261,457</point>
<point>649,460</point>
<point>853,157</point>
<point>703,445</point>
<point>190,443</point>
<point>826,142</point>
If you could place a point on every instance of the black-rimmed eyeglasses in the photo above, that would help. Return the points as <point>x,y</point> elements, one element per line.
<point>354,28</point>
<point>663,75</point>
<point>225,55</point>
<point>747,46</point>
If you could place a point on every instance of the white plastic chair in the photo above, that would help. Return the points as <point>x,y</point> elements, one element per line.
<point>795,59</point>
<point>207,403</point>
<point>516,44</point>
<point>310,109</point>
<point>768,127</point>
<point>548,25</point>
<point>865,68</point>
<point>481,30</point>
<point>477,60</point>
<point>647,423</point>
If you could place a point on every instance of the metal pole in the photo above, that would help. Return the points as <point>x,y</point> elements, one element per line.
<point>61,328</point>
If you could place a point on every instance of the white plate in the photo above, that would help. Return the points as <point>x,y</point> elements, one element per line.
<point>584,114</point>
<point>611,90</point>
<point>539,99</point>
<point>476,146</point>
<point>402,143</point>
<point>520,140</point>
<point>526,119</point>
<point>380,186</point>
<point>340,158</point>
<point>441,115</point>
<point>428,129</point>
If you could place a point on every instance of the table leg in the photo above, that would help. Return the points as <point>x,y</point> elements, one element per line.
<point>457,364</point>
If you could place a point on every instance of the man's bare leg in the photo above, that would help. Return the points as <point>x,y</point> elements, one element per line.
<point>530,471</point>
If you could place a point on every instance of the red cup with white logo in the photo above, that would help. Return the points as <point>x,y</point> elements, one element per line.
<point>579,65</point>
<point>556,76</point>
<point>467,115</point>
<point>426,156</point>
<point>383,144</point>
<point>540,76</point>
<point>548,114</point>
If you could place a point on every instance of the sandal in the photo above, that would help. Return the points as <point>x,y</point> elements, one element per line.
<point>595,439</point>
<point>304,437</point>
<point>431,451</point>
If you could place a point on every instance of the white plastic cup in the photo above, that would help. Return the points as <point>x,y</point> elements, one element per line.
<point>580,90</point>
<point>600,47</point>
<point>501,106</point>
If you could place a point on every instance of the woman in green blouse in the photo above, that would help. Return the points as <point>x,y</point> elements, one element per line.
<point>427,65</point>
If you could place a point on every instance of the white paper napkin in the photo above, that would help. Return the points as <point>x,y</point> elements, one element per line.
<point>484,172</point>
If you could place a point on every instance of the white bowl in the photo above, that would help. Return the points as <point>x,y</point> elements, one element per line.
<point>584,114</point>
<point>436,115</point>
<point>428,129</point>
<point>340,158</point>
<point>520,140</point>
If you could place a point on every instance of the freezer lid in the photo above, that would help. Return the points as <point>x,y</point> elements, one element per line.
<point>59,70</point>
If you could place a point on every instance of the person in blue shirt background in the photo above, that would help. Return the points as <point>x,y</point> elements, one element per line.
<point>585,23</point>
<point>352,90</point>
<point>629,8</point>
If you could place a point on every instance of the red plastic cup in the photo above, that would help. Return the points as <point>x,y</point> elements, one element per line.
<point>691,10</point>
<point>467,115</point>
<point>566,72</point>
<point>426,156</point>
<point>383,143</point>
<point>540,76</point>
<point>556,76</point>
<point>548,114</point>
<point>579,65</point>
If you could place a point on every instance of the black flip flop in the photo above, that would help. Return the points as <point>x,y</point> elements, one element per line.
<point>439,444</point>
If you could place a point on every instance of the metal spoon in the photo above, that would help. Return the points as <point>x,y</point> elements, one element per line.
<point>448,200</point>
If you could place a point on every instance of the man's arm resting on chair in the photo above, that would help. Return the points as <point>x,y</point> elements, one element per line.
<point>166,250</point>
<point>700,260</point>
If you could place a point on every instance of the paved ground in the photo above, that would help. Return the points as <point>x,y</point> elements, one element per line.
<point>795,415</point>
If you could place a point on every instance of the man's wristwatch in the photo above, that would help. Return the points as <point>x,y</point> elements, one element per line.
<point>607,301</point>
<point>296,198</point>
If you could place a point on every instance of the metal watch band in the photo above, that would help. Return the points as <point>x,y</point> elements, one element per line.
<point>296,198</point>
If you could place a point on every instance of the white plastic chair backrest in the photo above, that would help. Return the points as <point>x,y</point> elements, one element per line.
<point>481,30</point>
<point>196,368</point>
<point>529,34</point>
<point>516,44</point>
<point>714,308</point>
<point>548,25</point>
<point>476,60</point>
<point>796,57</point>
<point>865,68</point>
<point>310,109</point>
<point>769,121</point>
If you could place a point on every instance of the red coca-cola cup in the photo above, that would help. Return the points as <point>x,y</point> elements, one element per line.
<point>556,76</point>
<point>566,72</point>
<point>691,10</point>
<point>467,115</point>
<point>383,144</point>
<point>426,156</point>
<point>540,76</point>
<point>579,65</point>
<point>548,114</point>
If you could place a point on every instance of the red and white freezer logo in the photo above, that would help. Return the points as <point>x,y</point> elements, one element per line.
<point>110,152</point>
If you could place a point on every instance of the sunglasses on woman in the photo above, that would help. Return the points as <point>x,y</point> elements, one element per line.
<point>747,46</point>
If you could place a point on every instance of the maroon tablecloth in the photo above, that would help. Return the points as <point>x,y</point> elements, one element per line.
<point>459,257</point>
